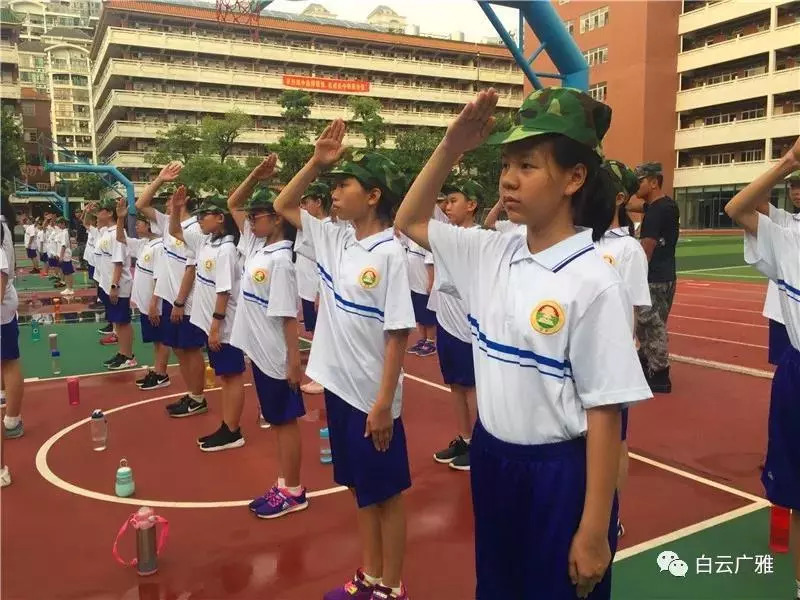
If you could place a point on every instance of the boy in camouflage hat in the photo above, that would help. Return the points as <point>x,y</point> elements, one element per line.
<point>359,343</point>
<point>544,312</point>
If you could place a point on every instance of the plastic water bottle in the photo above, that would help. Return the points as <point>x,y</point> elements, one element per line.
<point>325,456</point>
<point>99,428</point>
<point>36,330</point>
<point>55,355</point>
<point>124,485</point>
<point>210,378</point>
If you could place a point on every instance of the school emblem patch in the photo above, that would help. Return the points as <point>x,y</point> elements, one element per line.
<point>259,275</point>
<point>548,317</point>
<point>609,259</point>
<point>369,278</point>
<point>208,264</point>
<point>147,256</point>
<point>178,242</point>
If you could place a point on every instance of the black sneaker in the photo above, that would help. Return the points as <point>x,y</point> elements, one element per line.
<point>122,362</point>
<point>659,381</point>
<point>205,438</point>
<point>107,329</point>
<point>223,439</point>
<point>146,378</point>
<point>456,448</point>
<point>461,462</point>
<point>189,408</point>
<point>156,381</point>
<point>174,405</point>
<point>112,360</point>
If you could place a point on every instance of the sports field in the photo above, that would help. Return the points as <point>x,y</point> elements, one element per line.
<point>714,257</point>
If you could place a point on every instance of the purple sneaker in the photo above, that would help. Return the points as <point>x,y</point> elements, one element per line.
<point>280,502</point>
<point>428,349</point>
<point>415,349</point>
<point>384,593</point>
<point>253,506</point>
<point>355,589</point>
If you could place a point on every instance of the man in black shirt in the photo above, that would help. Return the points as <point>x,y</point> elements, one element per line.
<point>659,235</point>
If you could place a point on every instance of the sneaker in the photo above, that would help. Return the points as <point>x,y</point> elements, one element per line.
<point>189,407</point>
<point>14,432</point>
<point>312,387</point>
<point>456,448</point>
<point>263,423</point>
<point>305,346</point>
<point>355,589</point>
<point>461,462</point>
<point>223,439</point>
<point>416,347</point>
<point>384,593</point>
<point>155,382</point>
<point>428,349</point>
<point>5,477</point>
<point>107,328</point>
<point>140,382</point>
<point>620,529</point>
<point>35,271</point>
<point>280,502</point>
<point>96,305</point>
<point>202,440</point>
<point>2,402</point>
<point>67,292</point>
<point>109,340</point>
<point>122,362</point>
<point>659,381</point>
<point>59,284</point>
<point>173,405</point>
<point>111,360</point>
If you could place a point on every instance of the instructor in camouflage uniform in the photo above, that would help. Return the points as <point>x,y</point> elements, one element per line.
<point>659,236</point>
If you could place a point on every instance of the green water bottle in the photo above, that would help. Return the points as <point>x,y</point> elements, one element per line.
<point>36,332</point>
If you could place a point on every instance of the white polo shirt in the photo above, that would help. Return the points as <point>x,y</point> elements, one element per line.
<point>627,256</point>
<point>507,226</point>
<point>91,239</point>
<point>550,331</point>
<point>364,293</point>
<point>121,253</point>
<point>451,312</point>
<point>63,241</point>
<point>772,305</point>
<point>30,236</point>
<point>8,310</point>
<point>40,239</point>
<point>268,294</point>
<point>103,256</point>
<point>176,258</point>
<point>148,254</point>
<point>308,278</point>
<point>218,271</point>
<point>417,269</point>
<point>777,249</point>
<point>50,234</point>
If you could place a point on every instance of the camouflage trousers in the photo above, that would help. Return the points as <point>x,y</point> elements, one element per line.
<point>651,325</point>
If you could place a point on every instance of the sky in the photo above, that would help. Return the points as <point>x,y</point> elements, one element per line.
<point>432,16</point>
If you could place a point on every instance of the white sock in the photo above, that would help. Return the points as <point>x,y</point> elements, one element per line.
<point>466,439</point>
<point>196,397</point>
<point>372,580</point>
<point>294,491</point>
<point>397,591</point>
<point>11,422</point>
<point>281,482</point>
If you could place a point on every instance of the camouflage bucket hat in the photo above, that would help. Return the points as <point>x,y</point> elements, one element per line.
<point>794,177</point>
<point>140,217</point>
<point>472,190</point>
<point>648,169</point>
<point>565,111</point>
<point>374,170</point>
<point>318,189</point>
<point>262,199</point>
<point>212,204</point>
<point>623,177</point>
<point>107,204</point>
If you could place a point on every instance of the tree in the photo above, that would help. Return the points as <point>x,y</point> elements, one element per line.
<point>11,150</point>
<point>483,163</point>
<point>367,121</point>
<point>296,106</point>
<point>293,147</point>
<point>218,136</point>
<point>413,147</point>
<point>179,142</point>
<point>88,185</point>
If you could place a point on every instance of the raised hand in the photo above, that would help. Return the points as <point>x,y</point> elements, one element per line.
<point>122,208</point>
<point>178,198</point>
<point>266,169</point>
<point>795,153</point>
<point>171,171</point>
<point>473,124</point>
<point>329,147</point>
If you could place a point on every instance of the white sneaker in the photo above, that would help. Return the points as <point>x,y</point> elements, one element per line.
<point>262,422</point>
<point>67,292</point>
<point>5,477</point>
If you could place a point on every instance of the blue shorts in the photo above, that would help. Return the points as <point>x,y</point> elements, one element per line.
<point>31,252</point>
<point>149,332</point>
<point>280,404</point>
<point>781,475</point>
<point>91,272</point>
<point>455,359</point>
<point>9,342</point>
<point>181,335</point>
<point>778,342</point>
<point>228,361</point>
<point>119,312</point>
<point>67,268</point>
<point>53,261</point>
<point>624,424</point>
<point>374,476</point>
<point>309,314</point>
<point>528,502</point>
<point>422,314</point>
<point>103,297</point>
<point>43,257</point>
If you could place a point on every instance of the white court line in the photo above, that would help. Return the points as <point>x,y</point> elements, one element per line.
<point>689,530</point>
<point>720,340</point>
<point>717,308</point>
<point>674,316</point>
<point>760,277</point>
<point>713,364</point>
<point>48,475</point>
<point>713,269</point>
<point>731,298</point>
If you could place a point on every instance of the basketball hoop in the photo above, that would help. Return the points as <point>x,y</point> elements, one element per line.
<point>242,12</point>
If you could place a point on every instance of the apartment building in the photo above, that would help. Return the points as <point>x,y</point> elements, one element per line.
<point>9,59</point>
<point>159,63</point>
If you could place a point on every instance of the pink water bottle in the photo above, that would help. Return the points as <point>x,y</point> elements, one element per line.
<point>148,544</point>
<point>74,391</point>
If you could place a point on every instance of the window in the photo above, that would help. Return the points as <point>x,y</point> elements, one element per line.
<point>570,25</point>
<point>596,56</point>
<point>755,113</point>
<point>28,109</point>
<point>594,20</point>
<point>752,155</point>
<point>30,135</point>
<point>598,91</point>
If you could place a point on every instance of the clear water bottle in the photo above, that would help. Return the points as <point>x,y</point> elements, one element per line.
<point>36,330</point>
<point>325,456</point>
<point>99,428</point>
